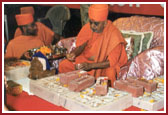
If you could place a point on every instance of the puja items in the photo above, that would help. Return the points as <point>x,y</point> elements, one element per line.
<point>102,86</point>
<point>45,50</point>
<point>81,83</point>
<point>66,78</point>
<point>51,52</point>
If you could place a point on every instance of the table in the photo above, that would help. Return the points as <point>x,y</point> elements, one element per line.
<point>26,102</point>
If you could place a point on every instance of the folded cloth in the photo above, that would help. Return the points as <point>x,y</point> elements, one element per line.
<point>40,55</point>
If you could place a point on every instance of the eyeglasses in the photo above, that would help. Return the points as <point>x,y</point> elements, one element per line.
<point>94,22</point>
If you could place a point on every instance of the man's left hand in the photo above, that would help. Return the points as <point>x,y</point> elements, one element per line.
<point>85,66</point>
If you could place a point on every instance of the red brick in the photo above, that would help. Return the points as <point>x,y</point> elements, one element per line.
<point>133,88</point>
<point>148,86</point>
<point>66,78</point>
<point>81,83</point>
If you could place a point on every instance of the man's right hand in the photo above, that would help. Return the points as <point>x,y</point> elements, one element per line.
<point>71,56</point>
<point>76,52</point>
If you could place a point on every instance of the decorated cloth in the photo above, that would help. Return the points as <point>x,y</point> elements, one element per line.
<point>24,19</point>
<point>27,10</point>
<point>108,45</point>
<point>98,12</point>
<point>44,33</point>
<point>18,46</point>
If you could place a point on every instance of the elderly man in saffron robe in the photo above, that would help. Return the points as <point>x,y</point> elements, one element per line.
<point>100,47</point>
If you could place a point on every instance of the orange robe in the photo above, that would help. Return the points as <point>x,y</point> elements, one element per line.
<point>44,33</point>
<point>108,45</point>
<point>19,45</point>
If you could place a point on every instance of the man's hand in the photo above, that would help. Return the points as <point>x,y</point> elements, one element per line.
<point>56,39</point>
<point>90,66</point>
<point>71,56</point>
<point>84,66</point>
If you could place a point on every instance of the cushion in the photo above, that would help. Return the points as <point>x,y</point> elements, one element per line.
<point>148,64</point>
<point>148,36</point>
<point>144,24</point>
<point>137,38</point>
<point>144,44</point>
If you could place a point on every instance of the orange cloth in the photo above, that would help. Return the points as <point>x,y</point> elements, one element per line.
<point>98,12</point>
<point>27,10</point>
<point>18,46</point>
<point>44,33</point>
<point>108,45</point>
<point>23,19</point>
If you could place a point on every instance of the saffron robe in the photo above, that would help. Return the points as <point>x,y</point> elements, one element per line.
<point>44,33</point>
<point>19,45</point>
<point>108,45</point>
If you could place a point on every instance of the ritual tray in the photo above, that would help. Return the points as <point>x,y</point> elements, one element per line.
<point>51,52</point>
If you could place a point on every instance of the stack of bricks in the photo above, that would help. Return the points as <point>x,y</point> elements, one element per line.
<point>81,83</point>
<point>102,86</point>
<point>149,86</point>
<point>132,88</point>
<point>135,86</point>
<point>66,78</point>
